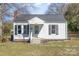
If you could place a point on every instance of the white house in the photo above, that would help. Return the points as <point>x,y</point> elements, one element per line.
<point>46,27</point>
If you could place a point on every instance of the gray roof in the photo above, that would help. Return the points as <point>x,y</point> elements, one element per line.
<point>49,18</point>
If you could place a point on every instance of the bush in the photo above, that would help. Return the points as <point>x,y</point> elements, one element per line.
<point>4,40</point>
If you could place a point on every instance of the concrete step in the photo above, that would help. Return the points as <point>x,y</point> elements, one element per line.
<point>35,40</point>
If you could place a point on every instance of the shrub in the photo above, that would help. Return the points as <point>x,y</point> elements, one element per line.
<point>4,40</point>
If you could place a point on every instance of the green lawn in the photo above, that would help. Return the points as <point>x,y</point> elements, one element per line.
<point>68,47</point>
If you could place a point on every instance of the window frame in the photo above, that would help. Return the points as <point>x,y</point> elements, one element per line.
<point>53,30</point>
<point>19,29</point>
<point>26,29</point>
<point>16,29</point>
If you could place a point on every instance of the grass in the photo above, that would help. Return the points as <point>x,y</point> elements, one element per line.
<point>51,48</point>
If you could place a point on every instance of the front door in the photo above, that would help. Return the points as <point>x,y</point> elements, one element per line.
<point>35,30</point>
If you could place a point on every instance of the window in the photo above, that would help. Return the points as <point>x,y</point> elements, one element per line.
<point>26,29</point>
<point>53,29</point>
<point>36,29</point>
<point>15,29</point>
<point>19,29</point>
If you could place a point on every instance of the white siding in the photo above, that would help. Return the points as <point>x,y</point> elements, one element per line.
<point>62,31</point>
<point>44,32</point>
<point>19,36</point>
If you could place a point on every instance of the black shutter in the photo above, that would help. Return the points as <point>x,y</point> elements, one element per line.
<point>56,29</point>
<point>27,29</point>
<point>50,29</point>
<point>15,29</point>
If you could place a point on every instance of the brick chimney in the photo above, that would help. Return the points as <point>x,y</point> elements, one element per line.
<point>16,13</point>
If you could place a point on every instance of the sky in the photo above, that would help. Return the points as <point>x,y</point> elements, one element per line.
<point>29,8</point>
<point>38,8</point>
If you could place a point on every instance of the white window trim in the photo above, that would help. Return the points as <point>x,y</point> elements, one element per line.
<point>17,30</point>
<point>50,30</point>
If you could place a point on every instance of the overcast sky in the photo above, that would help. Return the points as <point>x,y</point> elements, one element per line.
<point>31,8</point>
<point>38,8</point>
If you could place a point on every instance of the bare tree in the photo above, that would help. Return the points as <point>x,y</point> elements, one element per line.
<point>1,20</point>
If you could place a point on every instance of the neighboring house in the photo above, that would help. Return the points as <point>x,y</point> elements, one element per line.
<point>46,27</point>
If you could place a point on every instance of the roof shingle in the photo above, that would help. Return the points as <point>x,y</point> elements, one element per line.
<point>48,18</point>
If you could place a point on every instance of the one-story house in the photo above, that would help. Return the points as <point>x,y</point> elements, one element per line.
<point>46,27</point>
